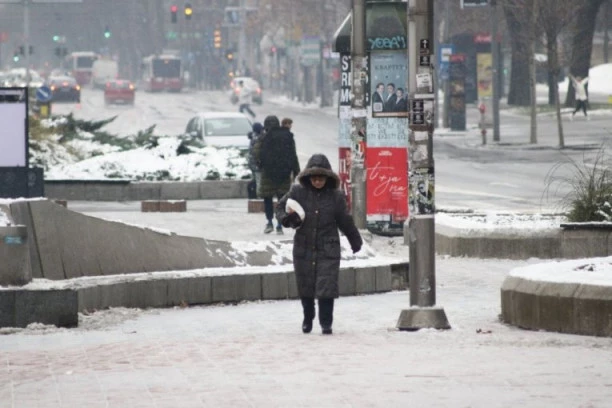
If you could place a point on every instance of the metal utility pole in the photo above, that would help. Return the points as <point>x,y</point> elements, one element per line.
<point>423,312</point>
<point>445,120</point>
<point>495,58</point>
<point>533,132</point>
<point>359,75</point>
<point>242,37</point>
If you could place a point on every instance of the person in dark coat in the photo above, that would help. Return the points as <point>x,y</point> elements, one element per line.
<point>276,155</point>
<point>316,208</point>
<point>254,136</point>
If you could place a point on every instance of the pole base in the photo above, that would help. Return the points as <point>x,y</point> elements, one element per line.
<point>423,318</point>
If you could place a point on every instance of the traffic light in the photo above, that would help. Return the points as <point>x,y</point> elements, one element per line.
<point>173,10</point>
<point>217,38</point>
<point>188,11</point>
<point>107,32</point>
<point>16,57</point>
<point>56,38</point>
<point>229,55</point>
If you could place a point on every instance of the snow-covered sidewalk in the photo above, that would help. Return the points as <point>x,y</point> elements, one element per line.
<point>254,355</point>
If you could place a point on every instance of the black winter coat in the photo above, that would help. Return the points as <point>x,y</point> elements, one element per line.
<point>316,244</point>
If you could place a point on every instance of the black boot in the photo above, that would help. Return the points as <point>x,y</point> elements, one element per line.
<point>309,314</point>
<point>326,315</point>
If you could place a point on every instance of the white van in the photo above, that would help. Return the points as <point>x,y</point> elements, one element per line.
<point>102,71</point>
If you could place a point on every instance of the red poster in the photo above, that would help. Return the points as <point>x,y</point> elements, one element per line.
<point>345,172</point>
<point>387,183</point>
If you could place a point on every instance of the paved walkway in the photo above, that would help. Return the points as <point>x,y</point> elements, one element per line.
<point>254,355</point>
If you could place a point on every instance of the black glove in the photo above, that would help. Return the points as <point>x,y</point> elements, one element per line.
<point>293,220</point>
<point>356,248</point>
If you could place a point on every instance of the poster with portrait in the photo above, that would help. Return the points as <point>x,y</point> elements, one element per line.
<point>484,73</point>
<point>389,84</point>
<point>422,193</point>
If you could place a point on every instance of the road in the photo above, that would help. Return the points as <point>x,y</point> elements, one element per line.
<point>506,176</point>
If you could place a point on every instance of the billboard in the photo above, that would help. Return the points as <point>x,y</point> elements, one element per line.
<point>14,134</point>
<point>389,84</point>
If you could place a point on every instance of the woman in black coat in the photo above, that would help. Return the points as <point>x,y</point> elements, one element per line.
<point>316,208</point>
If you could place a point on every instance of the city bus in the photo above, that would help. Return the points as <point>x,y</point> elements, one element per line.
<point>162,72</point>
<point>80,65</point>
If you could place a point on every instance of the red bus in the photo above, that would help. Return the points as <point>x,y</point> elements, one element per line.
<point>162,72</point>
<point>80,64</point>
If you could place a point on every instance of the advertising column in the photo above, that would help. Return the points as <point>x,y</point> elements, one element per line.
<point>387,125</point>
<point>344,129</point>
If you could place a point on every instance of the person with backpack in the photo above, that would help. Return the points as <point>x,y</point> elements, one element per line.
<point>276,156</point>
<point>254,135</point>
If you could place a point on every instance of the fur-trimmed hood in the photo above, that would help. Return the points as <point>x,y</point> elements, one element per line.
<point>318,165</point>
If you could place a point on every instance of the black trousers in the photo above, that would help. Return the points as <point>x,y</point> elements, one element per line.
<point>326,310</point>
<point>581,105</point>
<point>246,107</point>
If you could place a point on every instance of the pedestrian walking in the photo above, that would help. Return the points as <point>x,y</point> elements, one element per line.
<point>245,98</point>
<point>254,135</point>
<point>579,84</point>
<point>316,208</point>
<point>276,156</point>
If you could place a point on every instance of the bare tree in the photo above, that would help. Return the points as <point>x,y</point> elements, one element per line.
<point>582,43</point>
<point>517,18</point>
<point>553,17</point>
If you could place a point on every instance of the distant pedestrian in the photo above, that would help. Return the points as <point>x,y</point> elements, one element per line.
<point>276,156</point>
<point>579,84</point>
<point>245,98</point>
<point>254,136</point>
<point>316,208</point>
<point>287,123</point>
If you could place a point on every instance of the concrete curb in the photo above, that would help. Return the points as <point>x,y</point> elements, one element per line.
<point>60,303</point>
<point>561,307</point>
<point>123,190</point>
<point>546,244</point>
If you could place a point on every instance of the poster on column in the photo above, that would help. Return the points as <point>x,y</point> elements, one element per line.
<point>388,84</point>
<point>422,193</point>
<point>345,153</point>
<point>387,177</point>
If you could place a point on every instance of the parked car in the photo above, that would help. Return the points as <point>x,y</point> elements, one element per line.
<point>119,90</point>
<point>221,129</point>
<point>249,83</point>
<point>64,88</point>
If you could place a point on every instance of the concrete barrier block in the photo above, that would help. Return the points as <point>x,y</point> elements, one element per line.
<point>584,243</point>
<point>172,206</point>
<point>20,211</point>
<point>365,280</point>
<point>79,235</point>
<point>347,282</point>
<point>179,191</point>
<point>255,206</point>
<point>7,308</point>
<point>274,286</point>
<point>292,283</point>
<point>144,294</point>
<point>139,190</point>
<point>56,307</point>
<point>383,278</point>
<point>525,301</point>
<point>149,206</point>
<point>593,306</point>
<point>400,276</point>
<point>223,189</point>
<point>113,295</point>
<point>224,288</point>
<point>90,298</point>
<point>556,306</point>
<point>192,291</point>
<point>105,191</point>
<point>248,287</point>
<point>48,241</point>
<point>15,266</point>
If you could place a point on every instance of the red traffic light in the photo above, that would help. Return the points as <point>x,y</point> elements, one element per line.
<point>174,8</point>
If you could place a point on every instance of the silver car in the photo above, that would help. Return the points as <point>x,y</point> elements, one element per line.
<point>221,129</point>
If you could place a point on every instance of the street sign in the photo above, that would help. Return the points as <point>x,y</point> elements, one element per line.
<point>445,51</point>
<point>43,94</point>
<point>310,51</point>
